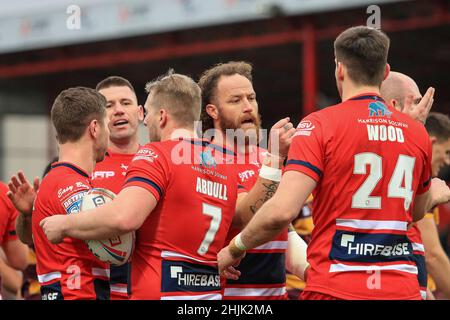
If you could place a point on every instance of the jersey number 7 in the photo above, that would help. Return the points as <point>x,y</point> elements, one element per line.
<point>216,214</point>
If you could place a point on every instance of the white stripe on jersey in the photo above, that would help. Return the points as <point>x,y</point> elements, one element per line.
<point>118,288</point>
<point>43,278</point>
<point>100,272</point>
<point>418,247</point>
<point>171,254</point>
<point>254,292</point>
<point>339,267</point>
<point>210,296</point>
<point>273,245</point>
<point>373,224</point>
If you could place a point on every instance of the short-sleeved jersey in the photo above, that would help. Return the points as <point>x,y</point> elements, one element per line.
<point>369,162</point>
<point>67,270</point>
<point>110,174</point>
<point>8,216</point>
<point>175,255</point>
<point>263,270</point>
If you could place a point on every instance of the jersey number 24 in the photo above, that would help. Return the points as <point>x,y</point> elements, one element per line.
<point>403,172</point>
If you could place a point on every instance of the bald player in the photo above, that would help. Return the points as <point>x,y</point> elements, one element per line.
<point>402,92</point>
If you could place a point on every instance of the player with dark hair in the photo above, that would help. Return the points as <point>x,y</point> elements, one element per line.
<point>69,270</point>
<point>124,114</point>
<point>369,167</point>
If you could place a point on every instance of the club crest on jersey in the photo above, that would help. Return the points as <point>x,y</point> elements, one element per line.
<point>379,109</point>
<point>73,203</point>
<point>207,160</point>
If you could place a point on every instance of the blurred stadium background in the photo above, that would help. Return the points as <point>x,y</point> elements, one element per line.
<point>43,51</point>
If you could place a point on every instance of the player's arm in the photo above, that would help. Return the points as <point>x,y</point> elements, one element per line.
<point>269,176</point>
<point>438,193</point>
<point>16,254</point>
<point>273,217</point>
<point>296,256</point>
<point>438,264</point>
<point>22,196</point>
<point>127,212</point>
<point>265,186</point>
<point>11,277</point>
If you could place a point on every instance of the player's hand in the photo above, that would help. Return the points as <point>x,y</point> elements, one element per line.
<point>420,111</point>
<point>21,193</point>
<point>227,263</point>
<point>439,191</point>
<point>280,137</point>
<point>53,228</point>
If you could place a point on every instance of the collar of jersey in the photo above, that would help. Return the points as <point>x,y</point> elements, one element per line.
<point>70,166</point>
<point>367,96</point>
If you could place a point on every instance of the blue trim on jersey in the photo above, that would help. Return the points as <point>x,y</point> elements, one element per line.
<point>422,274</point>
<point>367,97</point>
<point>181,276</point>
<point>119,274</point>
<point>52,291</point>
<point>70,166</point>
<point>261,268</point>
<point>102,289</point>
<point>370,247</point>
<point>241,186</point>
<point>147,181</point>
<point>426,183</point>
<point>306,164</point>
<point>209,144</point>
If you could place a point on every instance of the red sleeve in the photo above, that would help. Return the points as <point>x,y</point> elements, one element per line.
<point>425,179</point>
<point>150,170</point>
<point>306,153</point>
<point>8,216</point>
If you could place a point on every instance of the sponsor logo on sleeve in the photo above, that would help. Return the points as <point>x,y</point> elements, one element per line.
<point>304,128</point>
<point>145,154</point>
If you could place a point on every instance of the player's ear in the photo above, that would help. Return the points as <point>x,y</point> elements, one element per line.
<point>141,113</point>
<point>433,140</point>
<point>212,111</point>
<point>394,104</point>
<point>162,118</point>
<point>340,70</point>
<point>93,128</point>
<point>387,69</point>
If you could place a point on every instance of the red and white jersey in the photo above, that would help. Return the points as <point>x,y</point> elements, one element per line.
<point>67,270</point>
<point>8,216</point>
<point>175,255</point>
<point>369,162</point>
<point>110,174</point>
<point>263,270</point>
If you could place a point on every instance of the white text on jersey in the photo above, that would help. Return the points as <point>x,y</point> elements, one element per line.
<point>212,189</point>
<point>384,133</point>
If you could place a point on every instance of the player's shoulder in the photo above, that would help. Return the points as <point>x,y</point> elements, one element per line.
<point>64,179</point>
<point>414,127</point>
<point>3,189</point>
